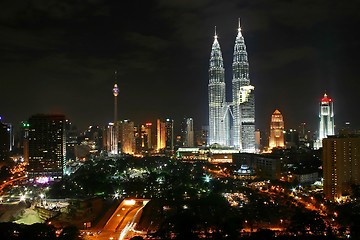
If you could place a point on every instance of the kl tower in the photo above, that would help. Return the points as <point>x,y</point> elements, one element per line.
<point>114,148</point>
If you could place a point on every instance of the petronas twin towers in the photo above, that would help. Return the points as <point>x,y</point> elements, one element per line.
<point>231,123</point>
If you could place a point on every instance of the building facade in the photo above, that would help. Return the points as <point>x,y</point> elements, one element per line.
<point>341,165</point>
<point>243,105</point>
<point>127,136</point>
<point>169,134</point>
<point>5,136</point>
<point>188,132</point>
<point>276,139</point>
<point>218,126</point>
<point>231,123</point>
<point>47,146</point>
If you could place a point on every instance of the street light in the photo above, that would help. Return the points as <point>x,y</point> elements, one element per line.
<point>22,197</point>
<point>42,197</point>
<point>207,178</point>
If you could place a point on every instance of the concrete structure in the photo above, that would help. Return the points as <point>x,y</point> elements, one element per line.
<point>188,132</point>
<point>263,166</point>
<point>341,165</point>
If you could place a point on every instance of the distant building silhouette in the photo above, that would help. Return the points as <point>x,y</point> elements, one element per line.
<point>5,139</point>
<point>47,146</point>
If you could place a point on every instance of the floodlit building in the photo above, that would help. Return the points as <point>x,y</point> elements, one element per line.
<point>341,165</point>
<point>218,119</point>
<point>160,135</point>
<point>127,136</point>
<point>231,123</point>
<point>110,139</point>
<point>47,146</point>
<point>276,139</point>
<point>243,105</point>
<point>326,117</point>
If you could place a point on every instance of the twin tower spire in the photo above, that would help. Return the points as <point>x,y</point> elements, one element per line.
<point>231,124</point>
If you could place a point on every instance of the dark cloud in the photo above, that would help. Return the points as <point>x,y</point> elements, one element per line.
<point>61,56</point>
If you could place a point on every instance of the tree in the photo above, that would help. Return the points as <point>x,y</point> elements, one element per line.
<point>69,233</point>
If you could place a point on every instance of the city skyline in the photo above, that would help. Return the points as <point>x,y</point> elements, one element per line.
<point>60,58</point>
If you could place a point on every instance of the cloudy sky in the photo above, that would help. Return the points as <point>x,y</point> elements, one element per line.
<point>60,57</point>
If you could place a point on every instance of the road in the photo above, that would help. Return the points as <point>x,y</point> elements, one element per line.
<point>123,221</point>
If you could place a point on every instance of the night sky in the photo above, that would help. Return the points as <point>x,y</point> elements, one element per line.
<point>60,57</point>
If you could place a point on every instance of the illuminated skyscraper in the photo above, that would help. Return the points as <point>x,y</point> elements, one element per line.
<point>149,136</point>
<point>243,105</point>
<point>47,146</point>
<point>326,115</point>
<point>160,135</point>
<point>242,133</point>
<point>276,139</point>
<point>218,120</point>
<point>127,137</point>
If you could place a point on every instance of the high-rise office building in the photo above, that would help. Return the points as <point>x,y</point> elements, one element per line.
<point>160,135</point>
<point>276,139</point>
<point>169,134</point>
<point>165,135</point>
<point>148,142</point>
<point>292,138</point>
<point>326,116</point>
<point>127,137</point>
<point>5,136</point>
<point>341,161</point>
<point>241,134</point>
<point>24,135</point>
<point>243,106</point>
<point>188,132</point>
<point>143,139</point>
<point>218,121</point>
<point>110,141</point>
<point>47,146</point>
